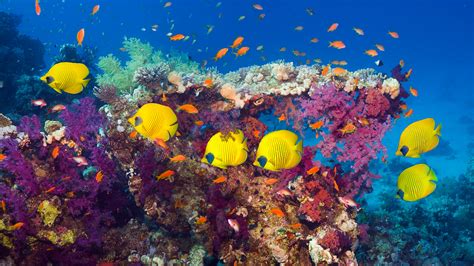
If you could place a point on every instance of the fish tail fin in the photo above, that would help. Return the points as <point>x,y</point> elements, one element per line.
<point>299,147</point>
<point>437,130</point>
<point>85,82</point>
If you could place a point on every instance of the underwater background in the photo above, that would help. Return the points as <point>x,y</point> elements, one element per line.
<point>131,217</point>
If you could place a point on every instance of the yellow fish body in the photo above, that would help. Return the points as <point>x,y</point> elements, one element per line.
<point>419,137</point>
<point>155,121</point>
<point>279,150</point>
<point>226,150</point>
<point>416,182</point>
<point>67,77</point>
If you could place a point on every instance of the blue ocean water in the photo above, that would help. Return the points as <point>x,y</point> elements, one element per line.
<point>436,40</point>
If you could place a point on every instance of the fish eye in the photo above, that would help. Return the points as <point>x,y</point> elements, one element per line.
<point>49,79</point>
<point>138,121</point>
<point>262,161</point>
<point>404,150</point>
<point>210,157</point>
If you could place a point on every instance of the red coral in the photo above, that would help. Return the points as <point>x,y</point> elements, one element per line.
<point>337,241</point>
<point>377,103</point>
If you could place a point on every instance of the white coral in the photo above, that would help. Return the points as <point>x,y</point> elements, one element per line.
<point>391,86</point>
<point>319,254</point>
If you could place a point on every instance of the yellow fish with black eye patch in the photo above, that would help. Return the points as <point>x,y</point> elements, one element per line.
<point>226,150</point>
<point>416,182</point>
<point>279,150</point>
<point>67,77</point>
<point>155,122</point>
<point>419,137</point>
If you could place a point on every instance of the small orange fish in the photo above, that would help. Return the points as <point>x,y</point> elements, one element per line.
<point>165,174</point>
<point>408,74</point>
<point>201,220</point>
<point>363,121</point>
<point>51,189</point>
<point>333,27</point>
<point>270,181</point>
<point>325,70</point>
<point>278,212</point>
<point>282,117</point>
<point>99,176</point>
<point>4,206</point>
<point>409,113</point>
<point>358,31</point>
<point>413,91</point>
<point>314,40</point>
<point>163,98</point>
<point>220,179</point>
<point>256,133</point>
<point>394,34</point>
<point>258,7</point>
<point>208,83</point>
<point>161,143</point>
<point>242,51</point>
<point>380,47</point>
<point>55,152</point>
<point>371,52</point>
<point>16,226</point>
<point>403,106</point>
<point>2,157</point>
<point>221,53</point>
<point>167,4</point>
<point>313,170</point>
<point>336,186</point>
<point>337,44</point>
<point>95,9</point>
<point>261,16</point>
<point>188,108</point>
<point>58,108</point>
<point>295,226</point>
<point>177,37</point>
<point>339,71</point>
<point>348,129</point>
<point>37,8</point>
<point>199,123</point>
<point>70,194</point>
<point>178,158</point>
<point>133,134</point>
<point>80,36</point>
<point>237,42</point>
<point>316,125</point>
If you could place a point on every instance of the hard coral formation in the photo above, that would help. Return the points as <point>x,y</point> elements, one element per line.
<point>244,220</point>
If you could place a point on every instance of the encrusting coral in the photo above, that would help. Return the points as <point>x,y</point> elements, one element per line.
<point>296,216</point>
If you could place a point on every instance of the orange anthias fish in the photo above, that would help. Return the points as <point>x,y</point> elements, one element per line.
<point>201,220</point>
<point>394,34</point>
<point>37,8</point>
<point>40,102</point>
<point>295,226</point>
<point>282,117</point>
<point>270,181</point>
<point>177,37</point>
<point>337,44</point>
<point>51,189</point>
<point>258,6</point>
<point>164,98</point>
<point>409,113</point>
<point>313,170</point>
<point>371,52</point>
<point>2,157</point>
<point>221,53</point>
<point>165,174</point>
<point>80,36</point>
<point>237,42</point>
<point>16,226</point>
<point>188,108</point>
<point>380,47</point>
<point>161,143</point>
<point>199,123</point>
<point>256,133</point>
<point>58,108</point>
<point>220,179</point>
<point>95,9</point>
<point>408,74</point>
<point>403,106</point>
<point>338,71</point>
<point>99,176</point>
<point>413,91</point>
<point>348,129</point>
<point>314,40</point>
<point>242,51</point>
<point>178,158</point>
<point>325,70</point>
<point>358,31</point>
<point>278,212</point>
<point>55,152</point>
<point>133,134</point>
<point>208,83</point>
<point>333,27</point>
<point>336,186</point>
<point>401,63</point>
<point>4,206</point>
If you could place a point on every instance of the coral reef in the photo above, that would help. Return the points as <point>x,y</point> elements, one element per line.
<point>66,186</point>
